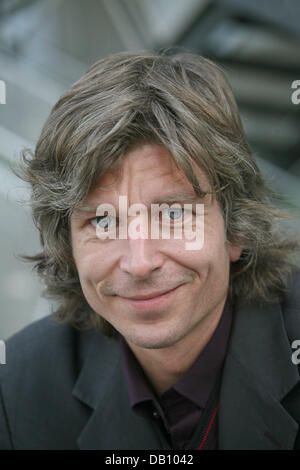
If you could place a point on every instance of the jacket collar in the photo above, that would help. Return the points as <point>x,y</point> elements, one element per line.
<point>102,386</point>
<point>258,372</point>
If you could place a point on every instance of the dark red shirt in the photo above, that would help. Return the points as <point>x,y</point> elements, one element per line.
<point>179,408</point>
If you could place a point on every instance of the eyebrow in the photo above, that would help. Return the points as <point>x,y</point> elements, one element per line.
<point>180,197</point>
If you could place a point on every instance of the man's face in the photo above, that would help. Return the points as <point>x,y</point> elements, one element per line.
<point>113,270</point>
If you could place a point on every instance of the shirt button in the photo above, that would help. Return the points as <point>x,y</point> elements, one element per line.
<point>155,415</point>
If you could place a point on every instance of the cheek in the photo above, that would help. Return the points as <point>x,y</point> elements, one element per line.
<point>92,267</point>
<point>214,252</point>
<point>92,270</point>
<point>92,261</point>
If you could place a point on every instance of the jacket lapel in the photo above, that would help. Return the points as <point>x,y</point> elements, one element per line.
<point>101,385</point>
<point>258,373</point>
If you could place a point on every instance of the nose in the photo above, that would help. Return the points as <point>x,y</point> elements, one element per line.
<point>142,257</point>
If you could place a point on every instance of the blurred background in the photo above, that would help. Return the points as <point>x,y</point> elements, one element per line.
<point>46,45</point>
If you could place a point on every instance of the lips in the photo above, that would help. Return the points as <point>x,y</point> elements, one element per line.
<point>150,304</point>
<point>151,295</point>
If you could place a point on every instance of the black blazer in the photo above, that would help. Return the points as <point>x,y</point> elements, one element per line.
<point>65,389</point>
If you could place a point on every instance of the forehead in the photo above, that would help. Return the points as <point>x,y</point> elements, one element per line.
<point>148,168</point>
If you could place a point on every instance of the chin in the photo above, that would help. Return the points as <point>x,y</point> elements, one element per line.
<point>157,339</point>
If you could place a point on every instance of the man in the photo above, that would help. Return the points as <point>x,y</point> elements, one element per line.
<point>154,345</point>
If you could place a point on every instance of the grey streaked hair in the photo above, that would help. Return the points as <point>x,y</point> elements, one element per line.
<point>183,102</point>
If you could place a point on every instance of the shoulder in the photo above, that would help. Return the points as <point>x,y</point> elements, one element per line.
<point>43,351</point>
<point>43,362</point>
<point>37,345</point>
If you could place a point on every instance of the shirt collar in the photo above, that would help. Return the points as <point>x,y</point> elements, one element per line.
<point>198,381</point>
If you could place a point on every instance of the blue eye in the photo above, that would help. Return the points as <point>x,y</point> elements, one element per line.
<point>175,213</point>
<point>102,221</point>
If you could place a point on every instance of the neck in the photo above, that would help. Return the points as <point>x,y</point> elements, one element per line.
<point>164,367</point>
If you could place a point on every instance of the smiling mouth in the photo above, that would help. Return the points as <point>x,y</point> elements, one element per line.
<point>151,295</point>
<point>151,303</point>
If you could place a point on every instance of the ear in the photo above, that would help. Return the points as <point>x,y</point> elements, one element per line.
<point>234,252</point>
